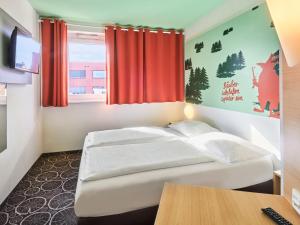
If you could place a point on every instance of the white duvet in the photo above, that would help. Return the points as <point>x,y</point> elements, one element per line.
<point>117,160</point>
<point>126,151</point>
<point>125,136</point>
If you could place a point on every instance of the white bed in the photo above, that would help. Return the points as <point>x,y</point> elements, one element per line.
<point>129,192</point>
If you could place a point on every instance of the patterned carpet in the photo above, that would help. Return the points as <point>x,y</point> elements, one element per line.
<point>46,193</point>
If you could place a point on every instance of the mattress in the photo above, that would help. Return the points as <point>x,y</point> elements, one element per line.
<point>126,193</point>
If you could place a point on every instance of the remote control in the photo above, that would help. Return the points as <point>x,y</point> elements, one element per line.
<point>275,216</point>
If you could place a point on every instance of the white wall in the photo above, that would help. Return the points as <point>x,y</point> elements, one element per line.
<point>23,113</point>
<point>260,130</point>
<point>65,128</point>
<point>3,129</point>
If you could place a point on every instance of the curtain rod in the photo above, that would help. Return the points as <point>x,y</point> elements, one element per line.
<point>123,27</point>
<point>75,25</point>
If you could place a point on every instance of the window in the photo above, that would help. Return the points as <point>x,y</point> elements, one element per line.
<point>99,74</point>
<point>87,55</point>
<point>77,90</point>
<point>77,74</point>
<point>99,90</point>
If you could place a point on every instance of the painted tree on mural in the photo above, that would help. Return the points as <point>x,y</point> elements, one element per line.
<point>233,63</point>
<point>216,47</point>
<point>199,46</point>
<point>198,81</point>
<point>188,64</point>
<point>227,31</point>
<point>219,70</point>
<point>203,79</point>
<point>193,93</point>
<point>241,61</point>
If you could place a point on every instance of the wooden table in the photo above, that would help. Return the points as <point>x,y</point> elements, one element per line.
<point>191,205</point>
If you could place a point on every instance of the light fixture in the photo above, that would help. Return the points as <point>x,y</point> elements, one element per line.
<point>189,111</point>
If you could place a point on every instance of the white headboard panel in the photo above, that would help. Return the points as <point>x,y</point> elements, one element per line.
<point>260,130</point>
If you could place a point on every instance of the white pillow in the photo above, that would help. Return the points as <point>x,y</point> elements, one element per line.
<point>227,148</point>
<point>192,127</point>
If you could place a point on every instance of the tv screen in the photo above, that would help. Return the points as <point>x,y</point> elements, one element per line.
<point>24,52</point>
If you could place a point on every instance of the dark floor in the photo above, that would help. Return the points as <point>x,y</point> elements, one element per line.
<point>46,193</point>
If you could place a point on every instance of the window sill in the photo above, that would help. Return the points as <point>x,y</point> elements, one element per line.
<point>86,98</point>
<point>2,100</point>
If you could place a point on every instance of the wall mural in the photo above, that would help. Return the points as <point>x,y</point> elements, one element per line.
<point>236,65</point>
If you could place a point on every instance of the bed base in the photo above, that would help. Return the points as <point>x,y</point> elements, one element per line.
<point>144,216</point>
<point>265,187</point>
<point>147,216</point>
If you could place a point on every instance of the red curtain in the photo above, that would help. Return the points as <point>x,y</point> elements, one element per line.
<point>144,66</point>
<point>54,63</point>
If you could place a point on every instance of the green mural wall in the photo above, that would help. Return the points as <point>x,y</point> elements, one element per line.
<point>236,65</point>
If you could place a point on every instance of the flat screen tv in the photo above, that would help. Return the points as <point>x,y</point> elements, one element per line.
<point>24,53</point>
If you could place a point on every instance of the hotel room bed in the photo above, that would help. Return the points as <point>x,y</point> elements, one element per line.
<point>98,197</point>
<point>136,191</point>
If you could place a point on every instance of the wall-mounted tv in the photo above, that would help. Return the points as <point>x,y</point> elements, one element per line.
<point>24,53</point>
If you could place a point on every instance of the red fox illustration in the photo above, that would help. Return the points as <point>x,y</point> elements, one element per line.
<point>268,87</point>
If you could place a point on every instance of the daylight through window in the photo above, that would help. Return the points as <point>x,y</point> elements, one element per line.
<point>87,75</point>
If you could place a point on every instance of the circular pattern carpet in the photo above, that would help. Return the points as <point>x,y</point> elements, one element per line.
<point>46,193</point>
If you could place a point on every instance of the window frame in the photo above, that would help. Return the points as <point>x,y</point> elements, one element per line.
<point>86,98</point>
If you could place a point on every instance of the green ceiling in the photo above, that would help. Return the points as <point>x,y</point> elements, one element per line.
<point>154,13</point>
